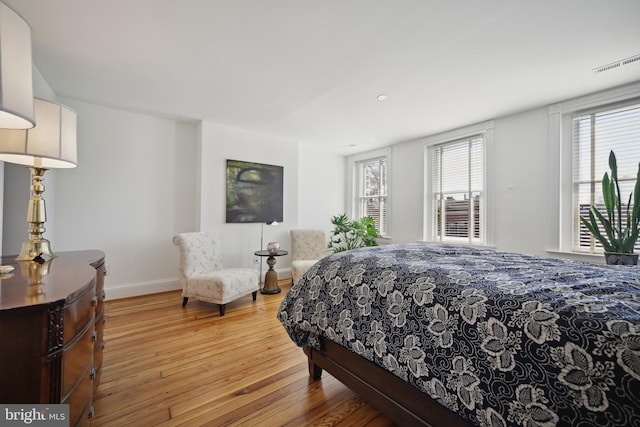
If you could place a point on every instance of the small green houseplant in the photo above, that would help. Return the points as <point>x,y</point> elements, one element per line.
<point>619,236</point>
<point>352,233</point>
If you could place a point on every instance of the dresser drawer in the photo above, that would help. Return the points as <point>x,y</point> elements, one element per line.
<point>77,359</point>
<point>80,401</point>
<point>98,350</point>
<point>99,341</point>
<point>78,313</point>
<point>100,292</point>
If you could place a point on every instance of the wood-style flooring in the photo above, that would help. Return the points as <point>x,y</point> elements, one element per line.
<point>165,365</point>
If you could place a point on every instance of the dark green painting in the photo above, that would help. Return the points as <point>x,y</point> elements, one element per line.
<point>254,192</point>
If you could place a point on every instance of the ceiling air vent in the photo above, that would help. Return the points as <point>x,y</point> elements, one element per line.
<point>616,64</point>
<point>631,60</point>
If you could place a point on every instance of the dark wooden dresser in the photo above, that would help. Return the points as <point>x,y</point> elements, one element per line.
<point>52,321</point>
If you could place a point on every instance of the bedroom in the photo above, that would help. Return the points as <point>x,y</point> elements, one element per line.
<point>143,176</point>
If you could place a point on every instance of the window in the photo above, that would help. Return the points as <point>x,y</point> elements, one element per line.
<point>564,160</point>
<point>372,191</point>
<point>457,191</point>
<point>595,133</point>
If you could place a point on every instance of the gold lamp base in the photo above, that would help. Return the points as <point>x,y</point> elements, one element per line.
<point>36,246</point>
<point>36,271</point>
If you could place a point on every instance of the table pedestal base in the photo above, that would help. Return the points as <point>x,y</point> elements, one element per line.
<point>271,278</point>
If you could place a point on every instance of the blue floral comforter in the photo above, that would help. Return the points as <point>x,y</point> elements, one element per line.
<point>499,338</point>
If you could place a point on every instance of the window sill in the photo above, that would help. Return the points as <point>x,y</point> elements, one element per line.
<point>579,256</point>
<point>473,245</point>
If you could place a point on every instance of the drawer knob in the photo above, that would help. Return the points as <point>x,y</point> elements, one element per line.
<point>92,375</point>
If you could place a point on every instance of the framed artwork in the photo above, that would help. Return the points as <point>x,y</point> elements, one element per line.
<point>254,192</point>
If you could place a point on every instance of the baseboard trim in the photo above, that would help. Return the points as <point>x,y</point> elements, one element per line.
<point>127,290</point>
<point>141,288</point>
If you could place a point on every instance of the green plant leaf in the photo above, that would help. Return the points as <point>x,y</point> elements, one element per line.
<point>608,195</point>
<point>352,234</point>
<point>635,211</point>
<point>613,165</point>
<point>592,226</point>
<point>606,225</point>
<point>618,238</point>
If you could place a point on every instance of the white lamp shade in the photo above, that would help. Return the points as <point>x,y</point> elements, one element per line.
<point>50,144</point>
<point>16,79</point>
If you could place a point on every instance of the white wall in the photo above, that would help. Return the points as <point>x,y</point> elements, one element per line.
<point>141,179</point>
<point>521,210</point>
<point>313,190</point>
<point>406,192</point>
<point>321,188</point>
<point>17,182</point>
<point>134,188</point>
<point>220,143</point>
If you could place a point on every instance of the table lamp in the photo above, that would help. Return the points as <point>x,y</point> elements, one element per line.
<point>50,144</point>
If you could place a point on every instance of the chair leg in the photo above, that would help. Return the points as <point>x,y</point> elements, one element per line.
<point>222,307</point>
<point>254,294</point>
<point>184,301</point>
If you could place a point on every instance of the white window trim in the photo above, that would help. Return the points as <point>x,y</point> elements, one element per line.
<point>485,129</point>
<point>560,190</point>
<point>352,190</point>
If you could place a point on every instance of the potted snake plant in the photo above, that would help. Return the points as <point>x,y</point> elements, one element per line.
<point>618,237</point>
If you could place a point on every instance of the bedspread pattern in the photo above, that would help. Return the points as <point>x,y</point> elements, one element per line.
<point>499,338</point>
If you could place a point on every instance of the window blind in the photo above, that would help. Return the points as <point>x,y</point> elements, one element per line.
<point>457,189</point>
<point>595,133</point>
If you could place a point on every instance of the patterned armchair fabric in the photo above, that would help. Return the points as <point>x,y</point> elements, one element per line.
<point>203,276</point>
<point>307,247</point>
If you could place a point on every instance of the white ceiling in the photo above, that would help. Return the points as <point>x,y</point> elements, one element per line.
<point>310,70</point>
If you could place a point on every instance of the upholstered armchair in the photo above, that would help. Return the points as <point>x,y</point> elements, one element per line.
<point>203,276</point>
<point>307,247</point>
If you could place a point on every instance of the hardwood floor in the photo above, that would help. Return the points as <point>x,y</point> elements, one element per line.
<point>165,365</point>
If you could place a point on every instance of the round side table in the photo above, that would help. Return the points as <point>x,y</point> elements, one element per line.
<point>271,277</point>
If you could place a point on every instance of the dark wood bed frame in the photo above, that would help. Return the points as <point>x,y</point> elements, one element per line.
<point>402,403</point>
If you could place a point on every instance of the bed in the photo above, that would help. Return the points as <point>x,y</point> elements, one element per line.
<point>447,335</point>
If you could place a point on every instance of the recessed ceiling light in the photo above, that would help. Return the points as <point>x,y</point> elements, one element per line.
<point>382,97</point>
